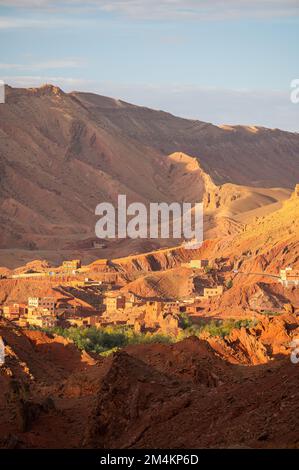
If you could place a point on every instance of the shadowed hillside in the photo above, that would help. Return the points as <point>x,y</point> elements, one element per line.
<point>61,154</point>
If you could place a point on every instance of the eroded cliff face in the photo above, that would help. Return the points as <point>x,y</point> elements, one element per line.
<point>268,339</point>
<point>155,261</point>
<point>61,154</point>
<point>245,155</point>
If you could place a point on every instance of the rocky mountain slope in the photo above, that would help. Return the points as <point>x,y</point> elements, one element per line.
<point>251,156</point>
<point>257,251</point>
<point>61,154</point>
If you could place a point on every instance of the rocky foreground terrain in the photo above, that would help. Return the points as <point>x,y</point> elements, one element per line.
<point>238,392</point>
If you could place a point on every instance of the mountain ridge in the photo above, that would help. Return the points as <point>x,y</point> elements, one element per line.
<point>63,153</point>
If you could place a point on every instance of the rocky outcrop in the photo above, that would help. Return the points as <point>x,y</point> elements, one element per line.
<point>152,395</point>
<point>269,338</point>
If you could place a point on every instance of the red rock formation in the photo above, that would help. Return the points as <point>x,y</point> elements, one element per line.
<point>190,394</point>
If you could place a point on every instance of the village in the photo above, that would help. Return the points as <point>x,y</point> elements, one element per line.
<point>79,301</point>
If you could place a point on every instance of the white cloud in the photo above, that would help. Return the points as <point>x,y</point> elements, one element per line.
<point>7,22</point>
<point>173,9</point>
<point>44,65</point>
<point>202,9</point>
<point>13,23</point>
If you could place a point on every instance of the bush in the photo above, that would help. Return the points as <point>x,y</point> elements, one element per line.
<point>220,328</point>
<point>208,269</point>
<point>106,340</point>
<point>270,313</point>
<point>184,320</point>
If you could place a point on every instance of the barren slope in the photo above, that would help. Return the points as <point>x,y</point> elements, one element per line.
<point>253,156</point>
<point>61,154</point>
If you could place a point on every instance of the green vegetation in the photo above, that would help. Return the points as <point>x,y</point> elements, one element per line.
<point>220,328</point>
<point>106,340</point>
<point>208,269</point>
<point>229,284</point>
<point>270,313</point>
<point>185,320</point>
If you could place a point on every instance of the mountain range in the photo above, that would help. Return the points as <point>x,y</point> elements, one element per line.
<point>63,153</point>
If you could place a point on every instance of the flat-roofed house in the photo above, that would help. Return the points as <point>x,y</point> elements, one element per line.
<point>114,301</point>
<point>14,310</point>
<point>71,265</point>
<point>48,303</point>
<point>212,291</point>
<point>289,277</point>
<point>199,263</point>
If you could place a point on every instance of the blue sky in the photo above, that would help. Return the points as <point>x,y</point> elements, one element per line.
<point>219,61</point>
